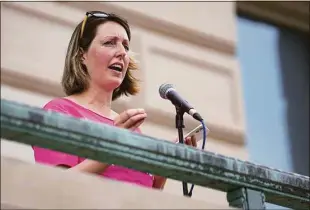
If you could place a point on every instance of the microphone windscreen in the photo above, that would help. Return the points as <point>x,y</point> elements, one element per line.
<point>163,89</point>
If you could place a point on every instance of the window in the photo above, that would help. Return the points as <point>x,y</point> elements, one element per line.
<point>275,79</point>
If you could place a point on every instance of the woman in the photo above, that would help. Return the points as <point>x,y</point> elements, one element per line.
<point>97,70</point>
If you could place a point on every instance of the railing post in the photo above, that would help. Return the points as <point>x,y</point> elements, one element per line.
<point>246,199</point>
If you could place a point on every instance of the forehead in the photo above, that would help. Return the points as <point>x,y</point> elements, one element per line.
<point>112,29</point>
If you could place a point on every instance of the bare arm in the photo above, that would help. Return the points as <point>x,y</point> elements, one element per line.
<point>130,119</point>
<point>90,166</point>
<point>159,182</point>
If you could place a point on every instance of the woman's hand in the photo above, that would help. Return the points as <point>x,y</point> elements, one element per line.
<point>130,119</point>
<point>191,141</point>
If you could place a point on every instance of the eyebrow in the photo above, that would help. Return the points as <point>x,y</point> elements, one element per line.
<point>118,37</point>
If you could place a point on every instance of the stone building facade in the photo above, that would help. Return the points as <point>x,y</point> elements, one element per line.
<point>191,45</point>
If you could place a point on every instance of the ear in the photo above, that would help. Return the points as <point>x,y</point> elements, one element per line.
<point>83,56</point>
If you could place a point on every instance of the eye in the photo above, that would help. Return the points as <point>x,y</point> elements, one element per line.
<point>111,42</point>
<point>126,47</point>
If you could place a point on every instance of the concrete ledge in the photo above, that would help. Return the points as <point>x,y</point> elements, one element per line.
<point>34,186</point>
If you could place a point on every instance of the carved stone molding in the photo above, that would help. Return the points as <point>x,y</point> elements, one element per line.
<point>227,71</point>
<point>138,19</point>
<point>30,83</point>
<point>160,26</point>
<point>37,85</point>
<point>192,61</point>
<point>37,13</point>
<point>160,117</point>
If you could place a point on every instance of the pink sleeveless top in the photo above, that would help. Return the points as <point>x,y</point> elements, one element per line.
<point>51,157</point>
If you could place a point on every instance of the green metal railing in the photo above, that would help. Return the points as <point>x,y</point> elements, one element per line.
<point>248,185</point>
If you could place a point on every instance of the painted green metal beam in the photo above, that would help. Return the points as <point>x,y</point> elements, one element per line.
<point>105,143</point>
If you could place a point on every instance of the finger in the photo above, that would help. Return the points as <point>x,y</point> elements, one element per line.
<point>176,140</point>
<point>128,114</point>
<point>137,125</point>
<point>134,120</point>
<point>188,141</point>
<point>124,116</point>
<point>194,141</point>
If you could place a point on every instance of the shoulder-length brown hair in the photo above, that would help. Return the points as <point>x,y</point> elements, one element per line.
<point>75,77</point>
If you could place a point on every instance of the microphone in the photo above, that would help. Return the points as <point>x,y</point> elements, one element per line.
<point>167,91</point>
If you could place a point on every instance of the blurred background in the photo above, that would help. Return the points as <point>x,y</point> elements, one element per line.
<point>243,65</point>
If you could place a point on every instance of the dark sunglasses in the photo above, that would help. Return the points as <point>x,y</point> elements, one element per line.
<point>97,14</point>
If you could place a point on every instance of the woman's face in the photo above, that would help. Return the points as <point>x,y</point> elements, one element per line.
<point>107,58</point>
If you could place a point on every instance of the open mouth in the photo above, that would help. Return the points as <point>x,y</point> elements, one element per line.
<point>116,67</point>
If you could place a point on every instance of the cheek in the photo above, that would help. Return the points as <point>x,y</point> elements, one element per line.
<point>126,60</point>
<point>102,57</point>
<point>98,60</point>
<point>98,56</point>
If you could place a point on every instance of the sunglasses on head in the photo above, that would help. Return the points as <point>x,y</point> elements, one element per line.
<point>97,14</point>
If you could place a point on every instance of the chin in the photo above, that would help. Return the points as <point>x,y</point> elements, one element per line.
<point>114,83</point>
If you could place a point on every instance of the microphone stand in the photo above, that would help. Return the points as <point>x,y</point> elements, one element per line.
<point>179,123</point>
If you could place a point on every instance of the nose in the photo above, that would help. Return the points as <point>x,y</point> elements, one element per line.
<point>121,51</point>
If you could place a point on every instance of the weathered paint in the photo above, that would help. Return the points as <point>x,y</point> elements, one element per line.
<point>109,144</point>
<point>246,199</point>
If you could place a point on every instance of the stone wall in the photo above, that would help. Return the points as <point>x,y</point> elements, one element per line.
<point>191,45</point>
